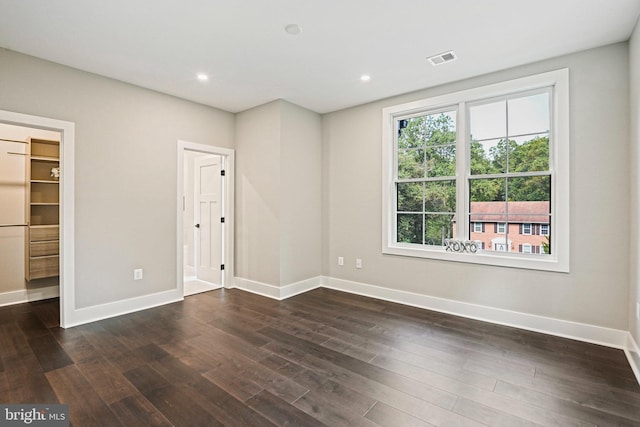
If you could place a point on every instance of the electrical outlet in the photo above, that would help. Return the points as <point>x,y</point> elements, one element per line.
<point>358,263</point>
<point>137,274</point>
<point>340,260</point>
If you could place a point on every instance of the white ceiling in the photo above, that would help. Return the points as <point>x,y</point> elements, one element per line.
<point>242,45</point>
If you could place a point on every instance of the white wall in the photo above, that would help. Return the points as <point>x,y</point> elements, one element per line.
<point>125,169</point>
<point>301,203</point>
<point>634,291</point>
<point>596,290</point>
<point>258,194</point>
<point>278,194</point>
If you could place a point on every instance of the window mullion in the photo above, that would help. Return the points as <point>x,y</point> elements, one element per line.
<point>462,173</point>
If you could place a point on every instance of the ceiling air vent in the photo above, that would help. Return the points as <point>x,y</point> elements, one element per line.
<point>442,58</point>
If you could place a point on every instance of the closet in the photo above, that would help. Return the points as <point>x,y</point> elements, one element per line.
<point>43,207</point>
<point>29,213</point>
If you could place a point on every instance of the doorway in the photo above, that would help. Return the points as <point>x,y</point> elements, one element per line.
<point>65,206</point>
<point>29,220</point>
<point>205,206</point>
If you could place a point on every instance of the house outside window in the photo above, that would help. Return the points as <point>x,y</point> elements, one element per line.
<point>487,159</point>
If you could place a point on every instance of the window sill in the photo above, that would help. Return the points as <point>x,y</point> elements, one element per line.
<point>496,259</point>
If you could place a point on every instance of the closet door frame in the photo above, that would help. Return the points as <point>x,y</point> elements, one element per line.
<point>67,188</point>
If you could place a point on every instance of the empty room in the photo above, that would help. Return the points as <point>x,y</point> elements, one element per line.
<point>297,213</point>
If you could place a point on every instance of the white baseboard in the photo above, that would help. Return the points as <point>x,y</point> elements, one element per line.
<point>301,287</point>
<point>264,289</point>
<point>277,292</point>
<point>563,328</point>
<point>29,295</point>
<point>633,355</point>
<point>118,308</point>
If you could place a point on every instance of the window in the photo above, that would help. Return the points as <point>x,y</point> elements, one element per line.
<point>426,178</point>
<point>496,154</point>
<point>544,229</point>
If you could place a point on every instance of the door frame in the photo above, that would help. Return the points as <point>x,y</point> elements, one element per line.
<point>67,204</point>
<point>228,198</point>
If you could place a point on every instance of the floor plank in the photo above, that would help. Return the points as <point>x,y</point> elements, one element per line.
<point>280,412</point>
<point>85,405</point>
<point>386,415</point>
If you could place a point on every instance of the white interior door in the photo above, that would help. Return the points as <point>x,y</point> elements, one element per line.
<point>208,214</point>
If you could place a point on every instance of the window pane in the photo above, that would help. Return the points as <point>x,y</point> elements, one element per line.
<point>409,228</point>
<point>427,130</point>
<point>488,205</point>
<point>488,157</point>
<point>440,128</point>
<point>488,121</point>
<point>441,160</point>
<point>529,114</point>
<point>410,164</point>
<point>529,209</point>
<point>410,196</point>
<point>529,153</point>
<point>411,133</point>
<point>440,196</point>
<point>530,188</point>
<point>487,190</point>
<point>438,228</point>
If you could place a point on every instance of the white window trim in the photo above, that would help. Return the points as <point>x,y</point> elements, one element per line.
<point>499,226</point>
<point>529,246</point>
<point>480,227</point>
<point>530,229</point>
<point>559,168</point>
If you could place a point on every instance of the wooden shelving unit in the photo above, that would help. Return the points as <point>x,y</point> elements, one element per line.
<point>43,207</point>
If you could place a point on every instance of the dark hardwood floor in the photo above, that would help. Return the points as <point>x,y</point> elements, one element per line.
<point>322,358</point>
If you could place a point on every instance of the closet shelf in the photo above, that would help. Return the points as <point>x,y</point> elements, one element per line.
<point>44,181</point>
<point>44,204</point>
<point>45,159</point>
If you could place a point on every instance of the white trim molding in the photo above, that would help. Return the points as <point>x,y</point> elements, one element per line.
<point>632,351</point>
<point>29,295</point>
<point>118,308</point>
<point>278,292</point>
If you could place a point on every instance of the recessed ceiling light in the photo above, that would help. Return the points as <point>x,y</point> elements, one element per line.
<point>441,58</point>
<point>293,29</point>
<point>202,77</point>
<point>365,77</point>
